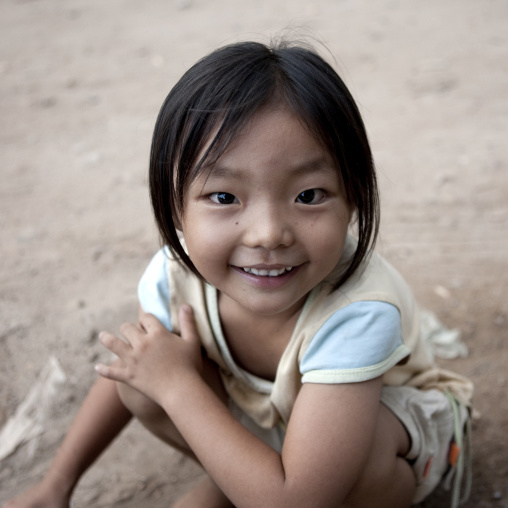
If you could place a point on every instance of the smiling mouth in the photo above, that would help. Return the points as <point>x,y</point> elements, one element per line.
<point>268,273</point>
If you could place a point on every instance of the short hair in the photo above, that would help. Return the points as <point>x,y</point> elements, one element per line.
<point>221,92</point>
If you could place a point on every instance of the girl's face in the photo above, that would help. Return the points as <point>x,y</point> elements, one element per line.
<point>268,222</point>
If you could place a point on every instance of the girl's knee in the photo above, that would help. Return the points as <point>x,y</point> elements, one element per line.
<point>138,404</point>
<point>387,484</point>
<point>155,419</point>
<point>387,479</point>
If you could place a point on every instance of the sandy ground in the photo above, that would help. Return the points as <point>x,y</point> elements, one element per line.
<point>80,86</point>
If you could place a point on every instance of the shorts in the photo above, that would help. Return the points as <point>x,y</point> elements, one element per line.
<point>436,424</point>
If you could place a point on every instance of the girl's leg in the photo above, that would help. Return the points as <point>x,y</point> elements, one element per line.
<point>100,419</point>
<point>387,480</point>
<point>206,494</point>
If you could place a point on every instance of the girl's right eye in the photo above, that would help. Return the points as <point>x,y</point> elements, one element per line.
<point>223,198</point>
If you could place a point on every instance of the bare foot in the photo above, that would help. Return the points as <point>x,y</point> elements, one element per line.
<point>42,495</point>
<point>204,495</point>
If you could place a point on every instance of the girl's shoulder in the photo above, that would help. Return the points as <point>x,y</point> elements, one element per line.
<point>153,288</point>
<point>375,280</point>
<point>374,300</point>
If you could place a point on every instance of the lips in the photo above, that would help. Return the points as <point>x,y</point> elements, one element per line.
<point>266,277</point>
<point>267,272</point>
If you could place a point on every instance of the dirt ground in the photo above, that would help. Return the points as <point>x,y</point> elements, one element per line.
<point>80,86</point>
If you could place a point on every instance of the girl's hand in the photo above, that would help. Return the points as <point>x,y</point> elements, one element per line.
<point>154,360</point>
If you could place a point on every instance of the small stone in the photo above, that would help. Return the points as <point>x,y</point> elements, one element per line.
<point>183,4</point>
<point>92,336</point>
<point>27,235</point>
<point>97,253</point>
<point>442,292</point>
<point>499,320</point>
<point>92,100</point>
<point>92,158</point>
<point>47,102</point>
<point>71,83</point>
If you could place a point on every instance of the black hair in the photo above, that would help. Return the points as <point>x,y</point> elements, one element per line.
<point>221,92</point>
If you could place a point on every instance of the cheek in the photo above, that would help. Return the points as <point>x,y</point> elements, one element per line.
<point>207,244</point>
<point>330,227</point>
<point>327,237</point>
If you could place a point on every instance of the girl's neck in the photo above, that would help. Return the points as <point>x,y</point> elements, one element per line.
<point>256,342</point>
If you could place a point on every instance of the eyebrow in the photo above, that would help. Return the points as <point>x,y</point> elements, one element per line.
<point>314,165</point>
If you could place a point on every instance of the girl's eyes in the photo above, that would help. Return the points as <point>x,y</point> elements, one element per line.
<point>311,196</point>
<point>307,197</point>
<point>223,198</point>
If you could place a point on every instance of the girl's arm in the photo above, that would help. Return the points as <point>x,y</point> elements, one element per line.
<point>325,449</point>
<point>99,420</point>
<point>328,437</point>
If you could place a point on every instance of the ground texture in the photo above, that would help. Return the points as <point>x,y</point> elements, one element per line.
<point>80,87</point>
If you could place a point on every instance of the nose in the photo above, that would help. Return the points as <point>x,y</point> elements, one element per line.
<point>268,227</point>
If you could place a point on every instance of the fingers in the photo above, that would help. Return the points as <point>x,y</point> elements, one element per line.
<point>188,324</point>
<point>119,348</point>
<point>149,322</point>
<point>114,344</point>
<point>141,313</point>
<point>111,372</point>
<point>130,331</point>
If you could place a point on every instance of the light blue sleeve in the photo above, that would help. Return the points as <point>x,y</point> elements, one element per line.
<point>153,289</point>
<point>357,343</point>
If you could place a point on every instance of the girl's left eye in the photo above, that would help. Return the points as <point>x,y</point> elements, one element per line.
<point>311,196</point>
<point>223,198</point>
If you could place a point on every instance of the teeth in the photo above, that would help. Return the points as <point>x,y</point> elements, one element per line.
<point>268,273</point>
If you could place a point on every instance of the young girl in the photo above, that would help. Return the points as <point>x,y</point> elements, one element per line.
<point>273,347</point>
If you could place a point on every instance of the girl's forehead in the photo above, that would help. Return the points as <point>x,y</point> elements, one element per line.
<point>265,126</point>
<point>274,145</point>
